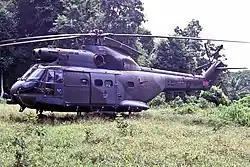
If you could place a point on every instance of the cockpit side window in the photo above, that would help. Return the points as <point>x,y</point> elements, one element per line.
<point>50,76</point>
<point>59,76</point>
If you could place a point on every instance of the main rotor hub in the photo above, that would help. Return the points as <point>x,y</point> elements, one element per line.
<point>97,31</point>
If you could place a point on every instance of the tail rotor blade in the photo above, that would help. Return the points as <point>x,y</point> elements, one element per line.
<point>207,52</point>
<point>203,66</point>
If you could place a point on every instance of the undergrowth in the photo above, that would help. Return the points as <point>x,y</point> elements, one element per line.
<point>191,133</point>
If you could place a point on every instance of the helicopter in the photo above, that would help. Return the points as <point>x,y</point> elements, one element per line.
<point>100,77</point>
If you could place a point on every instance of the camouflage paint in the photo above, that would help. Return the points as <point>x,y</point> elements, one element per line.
<point>131,84</point>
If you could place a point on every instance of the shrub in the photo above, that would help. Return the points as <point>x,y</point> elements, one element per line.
<point>2,101</point>
<point>199,101</point>
<point>215,95</point>
<point>236,113</point>
<point>158,101</point>
<point>245,101</point>
<point>204,104</point>
<point>177,102</point>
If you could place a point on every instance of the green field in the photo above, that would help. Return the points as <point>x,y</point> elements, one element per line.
<point>157,137</point>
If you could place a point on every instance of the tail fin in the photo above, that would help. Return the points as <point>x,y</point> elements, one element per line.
<point>216,66</point>
<point>213,71</point>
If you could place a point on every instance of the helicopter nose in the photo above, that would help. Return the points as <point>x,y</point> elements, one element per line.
<point>13,93</point>
<point>20,93</point>
<point>15,87</point>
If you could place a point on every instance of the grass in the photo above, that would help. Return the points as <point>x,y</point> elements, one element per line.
<point>157,137</point>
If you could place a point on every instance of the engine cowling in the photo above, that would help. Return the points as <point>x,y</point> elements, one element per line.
<point>46,55</point>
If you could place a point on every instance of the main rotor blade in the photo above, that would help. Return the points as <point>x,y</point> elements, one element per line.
<point>112,42</point>
<point>231,68</point>
<point>176,37</point>
<point>35,41</point>
<point>44,37</point>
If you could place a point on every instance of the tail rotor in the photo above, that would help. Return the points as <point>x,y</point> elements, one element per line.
<point>212,58</point>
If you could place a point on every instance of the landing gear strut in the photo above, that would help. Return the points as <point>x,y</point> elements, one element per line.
<point>79,114</point>
<point>22,108</point>
<point>39,111</point>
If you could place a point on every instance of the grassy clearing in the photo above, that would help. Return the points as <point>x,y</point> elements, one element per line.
<point>158,137</point>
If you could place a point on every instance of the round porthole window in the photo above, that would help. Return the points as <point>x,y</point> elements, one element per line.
<point>99,60</point>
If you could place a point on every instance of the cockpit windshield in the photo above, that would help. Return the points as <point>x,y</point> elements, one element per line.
<point>36,75</point>
<point>27,73</point>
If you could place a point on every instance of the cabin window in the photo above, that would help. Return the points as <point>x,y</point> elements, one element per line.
<point>59,76</point>
<point>98,82</point>
<point>108,83</point>
<point>131,84</point>
<point>99,60</point>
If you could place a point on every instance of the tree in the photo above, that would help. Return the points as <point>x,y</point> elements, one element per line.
<point>124,16</point>
<point>147,43</point>
<point>36,17</point>
<point>181,55</point>
<point>7,30</point>
<point>237,84</point>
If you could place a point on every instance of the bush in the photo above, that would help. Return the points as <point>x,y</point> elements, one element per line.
<point>199,101</point>
<point>236,113</point>
<point>215,95</point>
<point>177,102</point>
<point>2,101</point>
<point>245,101</point>
<point>204,104</point>
<point>158,101</point>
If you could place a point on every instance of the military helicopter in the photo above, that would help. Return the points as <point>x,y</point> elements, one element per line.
<point>100,77</point>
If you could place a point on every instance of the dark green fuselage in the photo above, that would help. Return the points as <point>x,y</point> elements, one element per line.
<point>99,78</point>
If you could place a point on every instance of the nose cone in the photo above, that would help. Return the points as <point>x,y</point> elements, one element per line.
<point>21,93</point>
<point>15,87</point>
<point>13,91</point>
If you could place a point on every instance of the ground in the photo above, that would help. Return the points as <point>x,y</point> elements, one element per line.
<point>156,137</point>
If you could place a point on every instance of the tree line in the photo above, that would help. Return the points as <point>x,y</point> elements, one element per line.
<point>22,18</point>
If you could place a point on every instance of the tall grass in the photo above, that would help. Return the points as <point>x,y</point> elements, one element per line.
<point>184,135</point>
